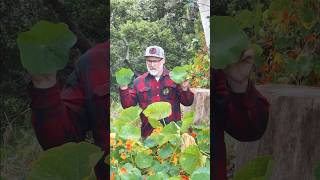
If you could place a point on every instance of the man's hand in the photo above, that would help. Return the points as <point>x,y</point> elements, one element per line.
<point>123,87</point>
<point>185,85</point>
<point>44,80</point>
<point>238,73</point>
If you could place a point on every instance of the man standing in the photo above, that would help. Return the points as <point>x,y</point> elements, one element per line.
<point>239,109</point>
<point>154,86</point>
<point>61,115</point>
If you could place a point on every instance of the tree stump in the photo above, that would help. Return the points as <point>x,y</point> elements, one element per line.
<point>293,133</point>
<point>201,106</point>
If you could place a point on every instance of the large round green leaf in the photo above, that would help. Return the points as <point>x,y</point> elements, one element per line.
<point>130,114</point>
<point>158,176</point>
<point>129,131</point>
<point>229,40</point>
<point>187,121</point>
<point>69,161</point>
<point>143,160</point>
<point>260,167</point>
<point>202,173</point>
<point>179,74</point>
<point>154,123</point>
<point>158,110</point>
<point>165,151</point>
<point>45,48</point>
<point>190,159</point>
<point>124,76</point>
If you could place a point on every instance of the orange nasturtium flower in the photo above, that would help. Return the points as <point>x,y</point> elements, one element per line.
<point>157,130</point>
<point>113,176</point>
<point>123,156</point>
<point>129,144</point>
<point>194,135</point>
<point>184,177</point>
<point>123,170</point>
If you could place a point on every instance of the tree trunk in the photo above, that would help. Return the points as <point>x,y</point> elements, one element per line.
<point>293,133</point>
<point>204,8</point>
<point>201,106</point>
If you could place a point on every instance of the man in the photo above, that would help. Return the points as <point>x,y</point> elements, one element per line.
<point>66,115</point>
<point>154,86</point>
<point>239,109</point>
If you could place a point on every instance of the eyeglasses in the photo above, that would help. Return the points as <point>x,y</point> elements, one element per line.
<point>154,61</point>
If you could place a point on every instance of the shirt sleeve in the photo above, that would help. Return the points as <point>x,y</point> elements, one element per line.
<point>128,97</point>
<point>55,112</point>
<point>243,115</point>
<point>186,97</point>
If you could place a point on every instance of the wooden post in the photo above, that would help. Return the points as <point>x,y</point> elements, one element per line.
<point>293,133</point>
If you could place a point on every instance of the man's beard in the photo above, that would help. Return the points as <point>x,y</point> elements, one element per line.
<point>153,72</point>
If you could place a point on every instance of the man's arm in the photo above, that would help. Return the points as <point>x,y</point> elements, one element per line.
<point>243,115</point>
<point>128,96</point>
<point>185,94</point>
<point>54,112</point>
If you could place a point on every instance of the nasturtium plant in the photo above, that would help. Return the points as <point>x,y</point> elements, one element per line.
<point>124,76</point>
<point>317,172</point>
<point>202,173</point>
<point>187,121</point>
<point>143,160</point>
<point>229,41</point>
<point>160,155</point>
<point>258,168</point>
<point>191,159</point>
<point>179,74</point>
<point>68,161</point>
<point>130,114</point>
<point>158,110</point>
<point>45,47</point>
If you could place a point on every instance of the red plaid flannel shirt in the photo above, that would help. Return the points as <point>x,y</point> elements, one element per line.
<point>147,90</point>
<point>65,115</point>
<point>244,116</point>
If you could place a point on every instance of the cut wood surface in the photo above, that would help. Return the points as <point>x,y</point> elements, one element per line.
<point>201,106</point>
<point>293,133</point>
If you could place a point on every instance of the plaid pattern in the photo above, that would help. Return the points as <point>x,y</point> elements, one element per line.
<point>147,90</point>
<point>243,116</point>
<point>65,115</point>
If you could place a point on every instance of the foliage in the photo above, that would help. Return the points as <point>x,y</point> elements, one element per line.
<point>45,48</point>
<point>68,161</point>
<point>287,31</point>
<point>229,41</point>
<point>179,74</point>
<point>124,76</point>
<point>160,155</point>
<point>258,168</point>
<point>169,24</point>
<point>317,172</point>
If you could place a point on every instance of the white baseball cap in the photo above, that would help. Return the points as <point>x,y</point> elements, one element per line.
<point>154,51</point>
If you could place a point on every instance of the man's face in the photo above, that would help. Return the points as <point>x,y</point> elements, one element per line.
<point>155,65</point>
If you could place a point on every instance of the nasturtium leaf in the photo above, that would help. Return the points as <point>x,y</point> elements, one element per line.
<point>245,19</point>
<point>202,173</point>
<point>179,74</point>
<point>261,166</point>
<point>175,178</point>
<point>158,110</point>
<point>45,48</point>
<point>143,160</point>
<point>168,133</point>
<point>229,41</point>
<point>68,161</point>
<point>187,121</point>
<point>158,176</point>
<point>165,151</point>
<point>149,143</point>
<point>190,159</point>
<point>130,114</point>
<point>154,123</point>
<point>124,76</point>
<point>130,131</point>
